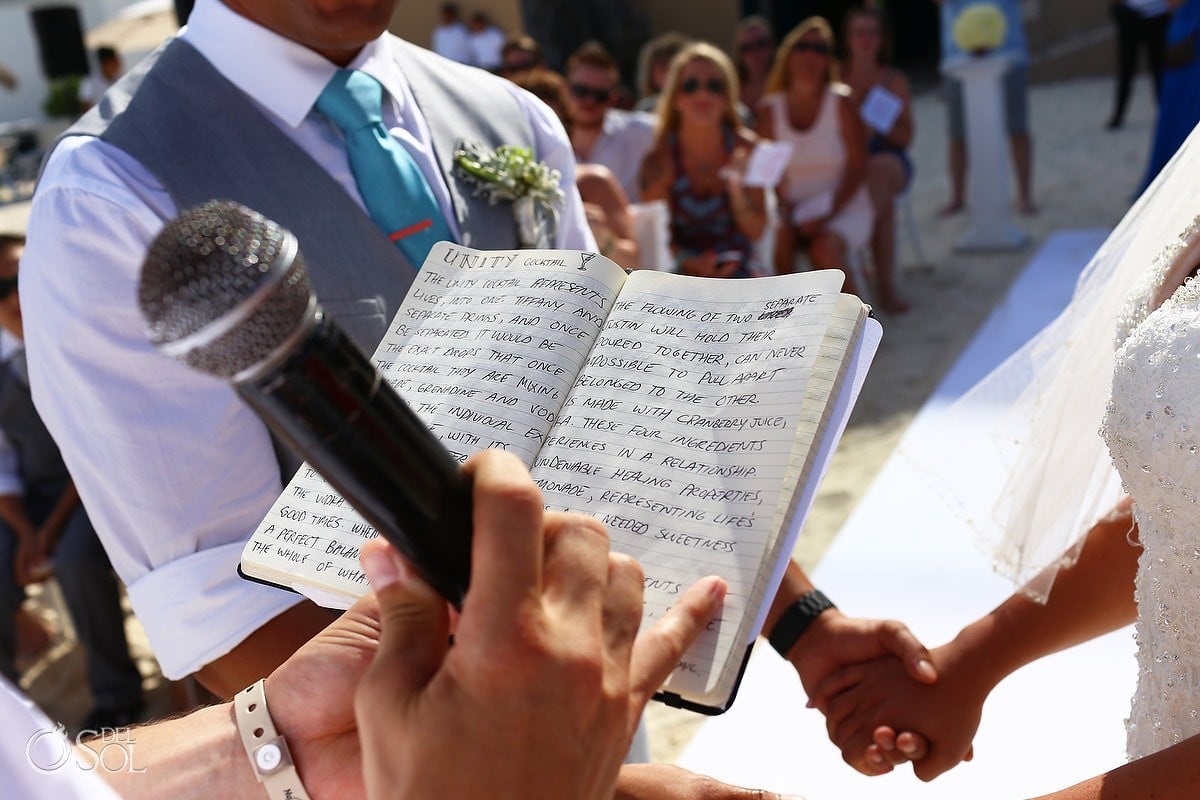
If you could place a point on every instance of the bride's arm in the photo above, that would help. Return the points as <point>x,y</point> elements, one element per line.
<point>1091,598</point>
<point>1171,774</point>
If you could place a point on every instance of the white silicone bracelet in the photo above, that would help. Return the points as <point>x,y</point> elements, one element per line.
<point>266,749</point>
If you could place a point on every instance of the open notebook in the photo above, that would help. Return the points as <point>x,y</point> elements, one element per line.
<point>694,416</point>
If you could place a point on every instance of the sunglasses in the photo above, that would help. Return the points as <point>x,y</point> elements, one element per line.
<point>693,85</point>
<point>756,44</point>
<point>584,92</point>
<point>812,47</point>
<point>7,287</point>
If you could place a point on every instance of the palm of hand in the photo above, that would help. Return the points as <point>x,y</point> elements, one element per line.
<point>311,699</point>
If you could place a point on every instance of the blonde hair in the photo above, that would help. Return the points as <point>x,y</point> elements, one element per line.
<point>777,81</point>
<point>668,116</point>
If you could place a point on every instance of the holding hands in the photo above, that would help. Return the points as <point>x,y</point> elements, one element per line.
<point>873,708</point>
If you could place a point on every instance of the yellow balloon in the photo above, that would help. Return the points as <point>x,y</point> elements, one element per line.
<point>979,28</point>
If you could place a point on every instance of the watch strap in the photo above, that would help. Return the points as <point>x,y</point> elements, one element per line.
<point>269,756</point>
<point>796,619</point>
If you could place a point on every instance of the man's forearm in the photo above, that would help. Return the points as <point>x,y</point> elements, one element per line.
<point>197,756</point>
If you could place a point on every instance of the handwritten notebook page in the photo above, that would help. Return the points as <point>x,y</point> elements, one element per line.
<point>680,432</point>
<point>484,349</point>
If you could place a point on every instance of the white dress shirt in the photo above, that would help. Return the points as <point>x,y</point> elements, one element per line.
<point>174,470</point>
<point>37,761</point>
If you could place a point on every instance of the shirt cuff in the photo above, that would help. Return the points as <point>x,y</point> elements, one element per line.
<point>197,608</point>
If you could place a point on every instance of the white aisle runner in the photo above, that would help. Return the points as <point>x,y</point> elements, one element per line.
<point>902,556</point>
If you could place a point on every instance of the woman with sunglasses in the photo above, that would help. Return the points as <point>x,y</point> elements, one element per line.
<point>753,46</point>
<point>875,85</point>
<point>696,165</point>
<point>824,207</point>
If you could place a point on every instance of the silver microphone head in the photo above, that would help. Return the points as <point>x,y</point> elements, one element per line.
<point>223,289</point>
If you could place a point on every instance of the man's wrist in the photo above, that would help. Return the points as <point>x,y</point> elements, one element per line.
<point>796,619</point>
<point>269,756</point>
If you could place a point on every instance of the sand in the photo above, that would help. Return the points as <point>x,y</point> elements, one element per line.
<point>1085,177</point>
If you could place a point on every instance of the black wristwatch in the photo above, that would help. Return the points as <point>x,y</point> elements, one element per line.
<point>796,619</point>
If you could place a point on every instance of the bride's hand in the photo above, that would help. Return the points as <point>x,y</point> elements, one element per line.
<point>865,704</point>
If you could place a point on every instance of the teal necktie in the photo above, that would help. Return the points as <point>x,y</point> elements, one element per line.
<point>391,184</point>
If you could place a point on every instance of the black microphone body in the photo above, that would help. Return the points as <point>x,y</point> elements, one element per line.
<point>226,291</point>
<point>328,403</point>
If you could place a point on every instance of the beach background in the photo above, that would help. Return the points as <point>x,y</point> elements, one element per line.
<point>1084,177</point>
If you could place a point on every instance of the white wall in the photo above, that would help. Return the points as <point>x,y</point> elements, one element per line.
<point>18,50</point>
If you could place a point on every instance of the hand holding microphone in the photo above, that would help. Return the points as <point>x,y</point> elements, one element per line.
<point>225,291</point>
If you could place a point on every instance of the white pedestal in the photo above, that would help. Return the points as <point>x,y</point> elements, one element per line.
<point>988,194</point>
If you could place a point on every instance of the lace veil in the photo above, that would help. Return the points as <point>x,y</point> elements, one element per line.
<point>1034,475</point>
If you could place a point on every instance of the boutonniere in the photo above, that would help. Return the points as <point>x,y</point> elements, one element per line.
<point>512,173</point>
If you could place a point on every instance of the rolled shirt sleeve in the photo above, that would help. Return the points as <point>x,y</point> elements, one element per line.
<point>174,469</point>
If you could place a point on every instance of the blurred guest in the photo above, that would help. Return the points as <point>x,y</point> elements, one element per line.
<point>753,46</point>
<point>94,85</point>
<point>451,37</point>
<point>1179,101</point>
<point>885,103</point>
<point>824,206</point>
<point>653,61</point>
<point>600,132</point>
<point>486,41</point>
<point>1141,25</point>
<point>44,528</point>
<point>1016,106</point>
<point>604,201</point>
<point>521,53</point>
<point>700,153</point>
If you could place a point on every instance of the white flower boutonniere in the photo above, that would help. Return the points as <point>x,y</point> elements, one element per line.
<point>512,173</point>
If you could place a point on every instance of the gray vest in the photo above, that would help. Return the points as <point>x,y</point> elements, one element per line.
<point>39,463</point>
<point>205,139</point>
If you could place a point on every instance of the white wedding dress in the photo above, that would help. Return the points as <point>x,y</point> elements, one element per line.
<point>1152,428</point>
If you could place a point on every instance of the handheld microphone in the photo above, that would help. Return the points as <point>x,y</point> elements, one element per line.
<point>225,291</point>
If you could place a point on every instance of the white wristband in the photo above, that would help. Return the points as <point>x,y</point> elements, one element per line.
<point>266,749</point>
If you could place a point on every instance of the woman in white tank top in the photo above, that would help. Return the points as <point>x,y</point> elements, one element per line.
<point>824,206</point>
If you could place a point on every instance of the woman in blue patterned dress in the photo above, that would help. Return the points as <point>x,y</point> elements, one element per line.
<point>696,166</point>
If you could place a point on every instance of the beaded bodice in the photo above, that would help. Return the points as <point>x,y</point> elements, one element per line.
<point>1152,428</point>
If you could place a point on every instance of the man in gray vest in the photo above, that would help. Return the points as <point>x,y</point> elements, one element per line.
<point>175,470</point>
<point>247,104</point>
<point>41,519</point>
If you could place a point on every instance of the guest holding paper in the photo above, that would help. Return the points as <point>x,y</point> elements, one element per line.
<point>825,208</point>
<point>697,164</point>
<point>885,104</point>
